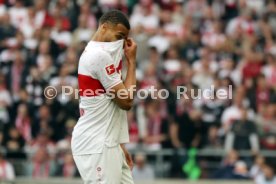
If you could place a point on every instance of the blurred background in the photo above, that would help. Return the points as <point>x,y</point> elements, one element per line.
<point>191,43</point>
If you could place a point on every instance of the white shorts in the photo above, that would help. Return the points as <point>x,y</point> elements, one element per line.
<point>109,167</point>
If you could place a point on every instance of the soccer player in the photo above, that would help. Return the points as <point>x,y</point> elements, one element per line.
<point>101,132</point>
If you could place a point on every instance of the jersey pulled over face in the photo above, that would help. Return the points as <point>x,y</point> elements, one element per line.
<point>102,122</point>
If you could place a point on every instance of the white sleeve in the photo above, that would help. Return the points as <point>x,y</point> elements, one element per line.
<point>105,70</point>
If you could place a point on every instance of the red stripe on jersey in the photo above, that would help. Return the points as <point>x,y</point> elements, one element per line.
<point>120,66</point>
<point>89,86</point>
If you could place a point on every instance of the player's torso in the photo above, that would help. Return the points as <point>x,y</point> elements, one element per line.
<point>100,124</point>
<point>101,119</point>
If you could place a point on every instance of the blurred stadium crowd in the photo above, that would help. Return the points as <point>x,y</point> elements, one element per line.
<point>192,43</point>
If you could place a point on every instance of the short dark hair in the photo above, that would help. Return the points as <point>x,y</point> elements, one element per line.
<point>115,17</point>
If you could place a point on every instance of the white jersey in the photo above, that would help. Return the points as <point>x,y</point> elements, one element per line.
<point>102,122</point>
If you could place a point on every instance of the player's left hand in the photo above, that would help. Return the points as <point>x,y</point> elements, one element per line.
<point>129,160</point>
<point>130,49</point>
<point>128,157</point>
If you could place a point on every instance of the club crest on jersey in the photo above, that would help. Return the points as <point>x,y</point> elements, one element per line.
<point>110,69</point>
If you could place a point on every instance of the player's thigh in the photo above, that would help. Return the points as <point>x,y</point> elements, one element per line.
<point>112,168</point>
<point>104,168</point>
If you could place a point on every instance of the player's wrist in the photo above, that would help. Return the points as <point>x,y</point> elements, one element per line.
<point>131,65</point>
<point>131,60</point>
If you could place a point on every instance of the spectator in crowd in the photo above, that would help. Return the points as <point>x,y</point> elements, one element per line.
<point>23,122</point>
<point>18,13</point>
<point>46,69</point>
<point>266,121</point>
<point>84,31</point>
<point>63,146</point>
<point>43,122</point>
<point>85,13</point>
<point>185,131</point>
<point>5,102</point>
<point>191,49</point>
<point>260,93</point>
<point>41,165</point>
<point>270,67</point>
<point>268,176</point>
<point>133,131</point>
<point>25,99</point>
<point>213,140</point>
<point>6,169</point>
<point>257,169</point>
<point>141,170</point>
<point>65,143</point>
<point>14,144</point>
<point>204,69</point>
<point>67,168</point>
<point>42,141</point>
<point>157,133</point>
<point>243,134</point>
<point>7,30</point>
<point>145,13</point>
<point>226,170</point>
<point>34,85</point>
<point>240,171</point>
<point>234,112</point>
<point>17,70</point>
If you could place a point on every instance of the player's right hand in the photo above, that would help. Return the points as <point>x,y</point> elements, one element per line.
<point>130,48</point>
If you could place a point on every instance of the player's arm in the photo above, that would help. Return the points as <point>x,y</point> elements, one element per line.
<point>124,90</point>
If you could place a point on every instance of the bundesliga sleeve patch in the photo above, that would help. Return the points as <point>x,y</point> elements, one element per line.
<point>110,69</point>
